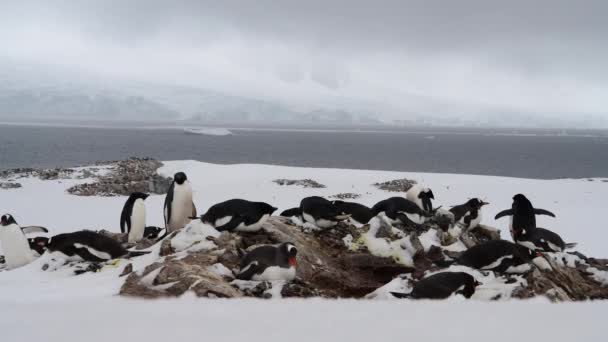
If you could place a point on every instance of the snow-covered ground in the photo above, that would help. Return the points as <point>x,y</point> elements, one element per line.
<point>56,302</point>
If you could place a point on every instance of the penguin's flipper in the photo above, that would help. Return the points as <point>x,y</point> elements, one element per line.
<point>248,271</point>
<point>133,254</point>
<point>168,203</point>
<point>193,210</point>
<point>292,212</point>
<point>88,256</point>
<point>231,225</point>
<point>401,295</point>
<point>543,212</point>
<point>34,229</point>
<point>570,245</point>
<point>508,212</point>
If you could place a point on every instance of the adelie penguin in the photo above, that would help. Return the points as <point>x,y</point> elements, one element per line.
<point>15,246</point>
<point>401,210</point>
<point>496,255</point>
<point>133,217</point>
<point>359,213</point>
<point>468,215</point>
<point>442,285</point>
<point>321,212</point>
<point>268,263</point>
<point>238,214</point>
<point>89,246</point>
<point>179,206</point>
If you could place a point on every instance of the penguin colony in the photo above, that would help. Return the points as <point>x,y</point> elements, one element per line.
<point>278,262</point>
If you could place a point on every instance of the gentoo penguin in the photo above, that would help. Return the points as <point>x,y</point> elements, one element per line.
<point>38,244</point>
<point>523,215</point>
<point>441,286</point>
<point>358,212</point>
<point>468,215</point>
<point>422,196</point>
<point>133,216</point>
<point>540,239</point>
<point>178,203</point>
<point>238,214</point>
<point>291,212</point>
<point>496,255</point>
<point>401,210</point>
<point>15,246</point>
<point>267,263</point>
<point>89,246</point>
<point>321,212</point>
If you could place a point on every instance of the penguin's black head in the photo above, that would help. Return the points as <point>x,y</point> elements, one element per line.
<point>476,203</point>
<point>138,195</point>
<point>289,250</point>
<point>7,220</point>
<point>426,195</point>
<point>470,284</point>
<point>39,244</point>
<point>180,178</point>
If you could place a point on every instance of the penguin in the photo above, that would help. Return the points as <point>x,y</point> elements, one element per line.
<point>179,206</point>
<point>359,213</point>
<point>133,217</point>
<point>496,255</point>
<point>89,246</point>
<point>442,285</point>
<point>238,214</point>
<point>38,244</point>
<point>291,212</point>
<point>523,215</point>
<point>541,239</point>
<point>468,215</point>
<point>401,210</point>
<point>14,244</point>
<point>268,263</point>
<point>321,212</point>
<point>152,232</point>
<point>34,229</point>
<point>422,196</point>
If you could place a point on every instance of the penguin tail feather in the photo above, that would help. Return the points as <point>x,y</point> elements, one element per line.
<point>571,245</point>
<point>133,254</point>
<point>401,295</point>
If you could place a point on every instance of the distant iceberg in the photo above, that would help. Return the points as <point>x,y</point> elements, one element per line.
<point>208,131</point>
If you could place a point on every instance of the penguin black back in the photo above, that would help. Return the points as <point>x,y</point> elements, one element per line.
<point>240,211</point>
<point>260,258</point>
<point>291,212</point>
<point>394,205</point>
<point>524,214</point>
<point>127,210</point>
<point>319,207</point>
<point>472,206</point>
<point>442,285</point>
<point>89,245</point>
<point>358,212</point>
<point>499,253</point>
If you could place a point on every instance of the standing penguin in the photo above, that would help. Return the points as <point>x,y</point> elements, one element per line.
<point>359,213</point>
<point>89,246</point>
<point>238,214</point>
<point>468,215</point>
<point>442,285</point>
<point>15,246</point>
<point>179,206</point>
<point>422,196</point>
<point>133,217</point>
<point>267,263</point>
<point>523,215</point>
<point>321,212</point>
<point>401,210</point>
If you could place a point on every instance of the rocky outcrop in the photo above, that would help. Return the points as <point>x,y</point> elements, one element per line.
<point>9,185</point>
<point>396,185</point>
<point>306,183</point>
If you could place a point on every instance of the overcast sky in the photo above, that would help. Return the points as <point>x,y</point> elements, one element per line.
<point>543,56</point>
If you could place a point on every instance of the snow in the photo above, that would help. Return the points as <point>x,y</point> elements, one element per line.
<point>28,294</point>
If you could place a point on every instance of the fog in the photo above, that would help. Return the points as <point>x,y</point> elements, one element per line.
<point>389,59</point>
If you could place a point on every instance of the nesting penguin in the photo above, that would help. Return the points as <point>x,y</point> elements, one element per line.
<point>238,214</point>
<point>359,213</point>
<point>321,212</point>
<point>291,212</point>
<point>541,239</point>
<point>133,217</point>
<point>422,196</point>
<point>468,215</point>
<point>179,206</point>
<point>268,263</point>
<point>442,285</point>
<point>89,246</point>
<point>14,244</point>
<point>497,255</point>
<point>401,210</point>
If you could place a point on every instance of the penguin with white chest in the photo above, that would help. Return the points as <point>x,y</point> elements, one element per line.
<point>468,215</point>
<point>321,212</point>
<point>269,263</point>
<point>89,246</point>
<point>497,255</point>
<point>238,214</point>
<point>179,206</point>
<point>401,210</point>
<point>133,217</point>
<point>422,196</point>
<point>441,286</point>
<point>15,246</point>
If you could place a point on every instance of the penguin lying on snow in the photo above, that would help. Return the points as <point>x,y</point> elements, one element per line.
<point>238,214</point>
<point>267,263</point>
<point>321,212</point>
<point>179,206</point>
<point>422,196</point>
<point>358,212</point>
<point>152,232</point>
<point>401,210</point>
<point>541,239</point>
<point>89,246</point>
<point>441,286</point>
<point>496,255</point>
<point>15,246</point>
<point>133,217</point>
<point>468,215</point>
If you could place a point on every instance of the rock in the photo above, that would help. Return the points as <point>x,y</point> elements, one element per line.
<point>307,183</point>
<point>345,195</point>
<point>9,185</point>
<point>396,185</point>
<point>299,289</point>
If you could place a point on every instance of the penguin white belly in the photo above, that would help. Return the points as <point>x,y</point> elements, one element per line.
<point>181,207</point>
<point>418,219</point>
<point>138,221</point>
<point>476,221</point>
<point>253,227</point>
<point>496,262</point>
<point>99,254</point>
<point>15,247</point>
<point>276,273</point>
<point>222,221</point>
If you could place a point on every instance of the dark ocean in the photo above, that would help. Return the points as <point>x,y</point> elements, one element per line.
<point>530,154</point>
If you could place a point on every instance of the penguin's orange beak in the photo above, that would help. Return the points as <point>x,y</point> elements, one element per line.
<point>292,261</point>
